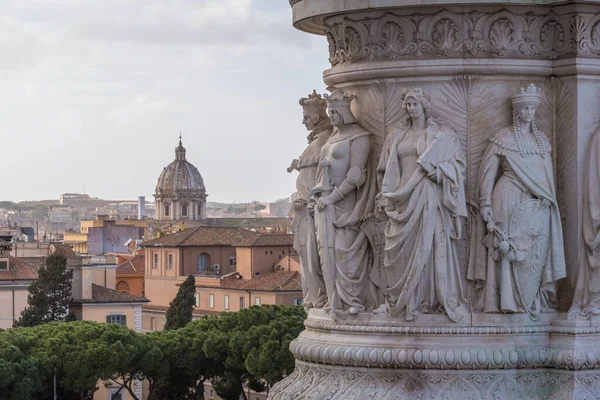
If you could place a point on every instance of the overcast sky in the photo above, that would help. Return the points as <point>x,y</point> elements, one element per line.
<point>94,93</point>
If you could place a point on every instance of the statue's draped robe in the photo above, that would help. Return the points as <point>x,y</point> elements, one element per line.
<point>347,256</point>
<point>587,292</point>
<point>506,179</point>
<point>420,258</point>
<point>313,287</point>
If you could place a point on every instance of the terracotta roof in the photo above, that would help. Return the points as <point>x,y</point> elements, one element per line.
<point>63,250</point>
<point>163,309</point>
<point>101,294</point>
<point>269,239</point>
<point>137,265</point>
<point>277,281</point>
<point>18,270</point>
<point>220,236</point>
<point>203,236</point>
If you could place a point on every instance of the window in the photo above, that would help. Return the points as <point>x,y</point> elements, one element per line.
<point>152,324</point>
<point>241,303</point>
<point>283,252</point>
<point>211,394</point>
<point>226,302</point>
<point>197,299</point>
<point>155,260</point>
<point>170,258</point>
<point>123,286</point>
<point>4,265</point>
<point>257,301</point>
<point>116,319</point>
<point>266,252</point>
<point>211,300</point>
<point>113,395</point>
<point>200,210</point>
<point>232,260</point>
<point>184,210</point>
<point>298,301</point>
<point>202,262</point>
<point>166,210</point>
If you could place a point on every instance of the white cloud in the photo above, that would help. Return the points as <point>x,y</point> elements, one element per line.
<point>98,87</point>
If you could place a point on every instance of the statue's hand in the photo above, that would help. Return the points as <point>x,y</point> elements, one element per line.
<point>486,213</point>
<point>323,202</point>
<point>545,203</point>
<point>298,205</point>
<point>433,175</point>
<point>293,165</point>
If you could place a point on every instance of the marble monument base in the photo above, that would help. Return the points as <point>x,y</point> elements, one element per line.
<point>484,356</point>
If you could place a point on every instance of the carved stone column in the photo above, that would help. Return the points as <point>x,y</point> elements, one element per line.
<point>470,56</point>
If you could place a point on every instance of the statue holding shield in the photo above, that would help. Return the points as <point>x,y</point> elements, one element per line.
<point>517,253</point>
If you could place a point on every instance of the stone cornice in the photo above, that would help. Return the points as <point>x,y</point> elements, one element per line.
<point>308,15</point>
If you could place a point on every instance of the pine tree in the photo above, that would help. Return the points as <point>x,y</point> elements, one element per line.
<point>49,295</point>
<point>180,309</point>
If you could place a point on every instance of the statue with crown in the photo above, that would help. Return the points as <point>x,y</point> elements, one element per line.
<point>342,200</point>
<point>517,251</point>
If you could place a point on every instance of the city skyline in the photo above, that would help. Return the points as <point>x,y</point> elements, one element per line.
<point>98,96</point>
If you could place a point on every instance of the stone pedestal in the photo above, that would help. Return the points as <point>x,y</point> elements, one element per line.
<point>470,56</point>
<point>484,357</point>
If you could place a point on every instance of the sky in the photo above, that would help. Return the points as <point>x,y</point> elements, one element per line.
<point>94,93</point>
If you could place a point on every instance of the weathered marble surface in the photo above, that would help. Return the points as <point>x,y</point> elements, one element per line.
<point>518,257</point>
<point>315,119</point>
<point>470,59</point>
<point>423,196</point>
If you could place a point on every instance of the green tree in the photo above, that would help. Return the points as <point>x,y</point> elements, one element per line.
<point>19,373</point>
<point>180,309</point>
<point>250,348</point>
<point>49,295</point>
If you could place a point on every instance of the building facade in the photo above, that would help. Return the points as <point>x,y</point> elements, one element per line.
<point>234,269</point>
<point>15,278</point>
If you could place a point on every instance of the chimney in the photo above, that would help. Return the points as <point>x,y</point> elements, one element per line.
<point>141,207</point>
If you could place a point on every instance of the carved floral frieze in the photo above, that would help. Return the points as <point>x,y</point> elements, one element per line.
<point>310,381</point>
<point>502,34</point>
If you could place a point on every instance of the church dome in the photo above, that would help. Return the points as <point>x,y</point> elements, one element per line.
<point>179,175</point>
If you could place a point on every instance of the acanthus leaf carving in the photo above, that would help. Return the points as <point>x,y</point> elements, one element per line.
<point>504,34</point>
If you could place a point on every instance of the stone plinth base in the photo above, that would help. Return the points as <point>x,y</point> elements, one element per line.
<point>371,357</point>
<point>315,381</point>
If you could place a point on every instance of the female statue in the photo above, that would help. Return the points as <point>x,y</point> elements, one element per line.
<point>516,263</point>
<point>424,197</point>
<point>344,196</point>
<point>587,292</point>
<point>314,110</point>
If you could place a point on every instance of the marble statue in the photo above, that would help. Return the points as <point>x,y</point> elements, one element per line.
<point>518,255</point>
<point>423,194</point>
<point>315,119</point>
<point>343,198</point>
<point>586,299</point>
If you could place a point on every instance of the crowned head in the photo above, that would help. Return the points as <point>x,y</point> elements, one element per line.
<point>314,109</point>
<point>416,101</point>
<point>530,96</point>
<point>338,104</point>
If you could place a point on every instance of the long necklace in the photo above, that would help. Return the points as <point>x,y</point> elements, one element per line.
<point>536,137</point>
